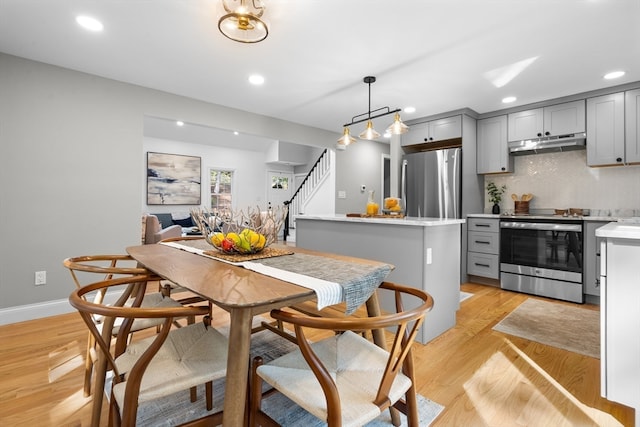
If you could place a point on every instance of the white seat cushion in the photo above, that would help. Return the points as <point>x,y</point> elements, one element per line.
<point>355,364</point>
<point>190,356</point>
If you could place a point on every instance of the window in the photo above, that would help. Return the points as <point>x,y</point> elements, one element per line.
<point>221,189</point>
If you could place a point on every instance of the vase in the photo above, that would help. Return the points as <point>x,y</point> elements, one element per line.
<point>496,209</point>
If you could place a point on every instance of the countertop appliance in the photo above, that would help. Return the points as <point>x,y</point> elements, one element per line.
<point>542,256</point>
<point>430,183</point>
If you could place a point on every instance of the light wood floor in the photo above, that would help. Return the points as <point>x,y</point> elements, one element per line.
<point>482,377</point>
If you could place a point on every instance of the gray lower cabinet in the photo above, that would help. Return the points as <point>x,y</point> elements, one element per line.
<point>591,259</point>
<point>483,247</point>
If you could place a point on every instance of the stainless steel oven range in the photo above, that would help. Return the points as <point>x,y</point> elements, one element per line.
<point>542,256</point>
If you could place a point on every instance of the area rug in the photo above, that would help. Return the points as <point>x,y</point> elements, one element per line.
<point>177,408</point>
<point>567,327</point>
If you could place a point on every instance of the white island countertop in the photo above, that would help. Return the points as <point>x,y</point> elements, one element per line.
<point>620,230</point>
<point>414,221</point>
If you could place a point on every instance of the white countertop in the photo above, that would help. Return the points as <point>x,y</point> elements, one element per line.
<point>620,230</point>
<point>422,222</point>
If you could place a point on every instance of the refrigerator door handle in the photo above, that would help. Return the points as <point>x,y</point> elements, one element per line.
<point>403,184</point>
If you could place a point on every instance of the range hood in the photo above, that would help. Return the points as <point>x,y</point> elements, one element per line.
<point>548,144</point>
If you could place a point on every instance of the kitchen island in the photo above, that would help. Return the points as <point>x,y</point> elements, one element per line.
<point>424,251</point>
<point>619,315</point>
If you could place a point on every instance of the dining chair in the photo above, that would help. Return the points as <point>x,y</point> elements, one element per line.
<point>83,270</point>
<point>160,365</point>
<point>345,379</point>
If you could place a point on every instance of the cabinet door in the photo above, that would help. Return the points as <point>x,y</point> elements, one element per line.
<point>605,130</point>
<point>632,112</point>
<point>563,119</point>
<point>493,151</point>
<point>418,134</point>
<point>526,124</point>
<point>448,128</point>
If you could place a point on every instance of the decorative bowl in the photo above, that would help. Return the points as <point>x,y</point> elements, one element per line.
<point>392,206</point>
<point>244,232</point>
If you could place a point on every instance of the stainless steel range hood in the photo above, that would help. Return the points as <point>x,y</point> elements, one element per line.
<point>549,144</point>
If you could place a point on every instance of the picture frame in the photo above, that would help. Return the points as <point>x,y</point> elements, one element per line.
<point>173,179</point>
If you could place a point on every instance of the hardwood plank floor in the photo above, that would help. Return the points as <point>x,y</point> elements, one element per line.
<point>482,377</point>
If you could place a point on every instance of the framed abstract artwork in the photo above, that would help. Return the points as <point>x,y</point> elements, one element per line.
<point>173,179</point>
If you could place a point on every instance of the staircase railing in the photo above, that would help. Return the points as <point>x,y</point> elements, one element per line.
<point>317,173</point>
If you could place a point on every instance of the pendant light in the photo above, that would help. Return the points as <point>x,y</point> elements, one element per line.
<point>242,21</point>
<point>396,128</point>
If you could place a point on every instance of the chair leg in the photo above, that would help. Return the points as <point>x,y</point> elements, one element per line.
<point>88,366</point>
<point>193,391</point>
<point>412,407</point>
<point>209,395</point>
<point>255,392</point>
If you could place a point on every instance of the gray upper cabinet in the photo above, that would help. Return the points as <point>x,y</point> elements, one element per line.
<point>433,131</point>
<point>493,151</point>
<point>605,130</point>
<point>632,114</point>
<point>559,119</point>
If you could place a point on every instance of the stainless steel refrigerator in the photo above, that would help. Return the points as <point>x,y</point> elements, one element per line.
<point>430,183</point>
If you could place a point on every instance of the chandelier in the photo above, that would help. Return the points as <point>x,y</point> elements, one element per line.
<point>242,21</point>
<point>396,128</point>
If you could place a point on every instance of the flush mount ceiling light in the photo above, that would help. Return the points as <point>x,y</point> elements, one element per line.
<point>242,21</point>
<point>396,128</point>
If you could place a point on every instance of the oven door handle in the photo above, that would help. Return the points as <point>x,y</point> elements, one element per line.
<point>541,226</point>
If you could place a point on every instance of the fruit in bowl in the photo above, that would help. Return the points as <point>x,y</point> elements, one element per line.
<point>247,241</point>
<point>392,205</point>
<point>246,231</point>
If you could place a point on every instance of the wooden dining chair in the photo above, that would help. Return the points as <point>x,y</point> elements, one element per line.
<point>345,379</point>
<point>160,365</point>
<point>84,269</point>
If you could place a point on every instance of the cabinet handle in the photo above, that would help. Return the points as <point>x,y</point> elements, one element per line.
<point>504,168</point>
<point>619,159</point>
<point>547,133</point>
<point>481,265</point>
<point>426,140</point>
<point>483,242</point>
<point>430,138</point>
<point>539,134</point>
<point>483,225</point>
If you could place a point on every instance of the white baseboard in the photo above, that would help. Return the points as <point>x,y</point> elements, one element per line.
<point>34,311</point>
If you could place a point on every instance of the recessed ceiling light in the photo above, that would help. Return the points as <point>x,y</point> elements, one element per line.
<point>235,132</point>
<point>89,23</point>
<point>180,123</point>
<point>256,79</point>
<point>509,99</point>
<point>409,110</point>
<point>614,75</point>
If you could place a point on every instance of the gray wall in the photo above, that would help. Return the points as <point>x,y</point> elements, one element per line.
<point>71,149</point>
<point>360,164</point>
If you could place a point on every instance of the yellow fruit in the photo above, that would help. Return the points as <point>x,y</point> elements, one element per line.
<point>234,238</point>
<point>217,239</point>
<point>254,238</point>
<point>390,203</point>
<point>396,208</point>
<point>261,242</point>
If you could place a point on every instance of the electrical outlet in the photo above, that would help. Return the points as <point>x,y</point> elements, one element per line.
<point>41,278</point>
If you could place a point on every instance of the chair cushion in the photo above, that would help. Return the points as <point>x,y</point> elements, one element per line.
<point>355,364</point>
<point>190,356</point>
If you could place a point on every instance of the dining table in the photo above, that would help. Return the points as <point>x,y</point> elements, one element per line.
<point>244,292</point>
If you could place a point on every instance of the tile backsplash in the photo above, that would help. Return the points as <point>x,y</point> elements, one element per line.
<point>563,180</point>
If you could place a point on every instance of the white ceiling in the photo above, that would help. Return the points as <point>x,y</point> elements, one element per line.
<point>436,56</point>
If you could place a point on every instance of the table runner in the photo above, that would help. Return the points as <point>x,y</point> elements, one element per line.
<point>333,280</point>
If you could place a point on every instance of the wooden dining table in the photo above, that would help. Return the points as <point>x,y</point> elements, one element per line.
<point>244,294</point>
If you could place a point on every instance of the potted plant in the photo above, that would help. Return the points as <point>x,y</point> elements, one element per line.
<point>495,196</point>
